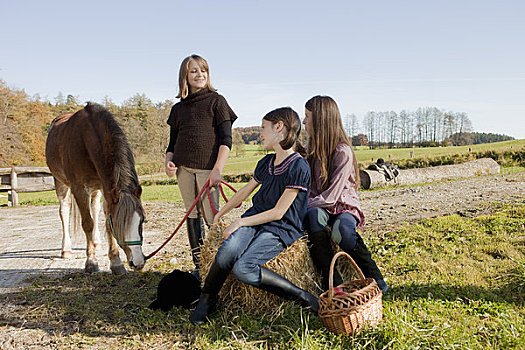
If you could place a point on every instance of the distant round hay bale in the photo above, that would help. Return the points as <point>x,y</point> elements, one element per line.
<point>293,263</point>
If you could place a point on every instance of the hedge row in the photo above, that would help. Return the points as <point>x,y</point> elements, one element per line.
<point>504,158</point>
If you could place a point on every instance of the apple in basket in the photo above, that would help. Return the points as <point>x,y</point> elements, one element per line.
<point>339,291</point>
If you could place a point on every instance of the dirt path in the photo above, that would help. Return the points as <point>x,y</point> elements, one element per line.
<point>386,209</point>
<point>30,244</point>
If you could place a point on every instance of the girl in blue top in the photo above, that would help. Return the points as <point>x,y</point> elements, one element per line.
<point>272,223</point>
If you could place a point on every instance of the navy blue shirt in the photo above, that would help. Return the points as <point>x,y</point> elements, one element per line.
<point>293,172</point>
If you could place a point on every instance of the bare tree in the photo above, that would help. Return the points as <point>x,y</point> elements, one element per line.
<point>350,124</point>
<point>393,126</point>
<point>369,124</point>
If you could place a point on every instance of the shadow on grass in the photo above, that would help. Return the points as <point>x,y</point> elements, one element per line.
<point>511,290</point>
<point>104,305</point>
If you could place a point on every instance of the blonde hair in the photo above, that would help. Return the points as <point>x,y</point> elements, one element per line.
<point>184,89</point>
<point>327,133</point>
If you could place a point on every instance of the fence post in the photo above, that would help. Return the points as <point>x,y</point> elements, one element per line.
<point>14,186</point>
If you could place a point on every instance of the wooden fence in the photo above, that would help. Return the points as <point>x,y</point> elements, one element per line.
<point>24,179</point>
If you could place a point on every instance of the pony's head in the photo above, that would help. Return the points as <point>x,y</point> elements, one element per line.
<point>126,224</point>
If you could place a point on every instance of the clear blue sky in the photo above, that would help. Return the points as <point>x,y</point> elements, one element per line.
<point>464,56</point>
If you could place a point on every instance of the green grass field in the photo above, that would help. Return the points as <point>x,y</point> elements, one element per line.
<point>153,193</point>
<point>455,283</point>
<point>364,154</point>
<point>252,153</point>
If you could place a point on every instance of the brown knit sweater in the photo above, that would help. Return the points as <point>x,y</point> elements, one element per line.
<point>195,118</point>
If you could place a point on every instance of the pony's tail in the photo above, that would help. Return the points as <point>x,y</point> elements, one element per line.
<point>75,226</point>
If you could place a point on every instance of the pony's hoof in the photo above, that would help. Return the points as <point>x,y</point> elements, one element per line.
<point>66,254</point>
<point>91,267</point>
<point>119,270</point>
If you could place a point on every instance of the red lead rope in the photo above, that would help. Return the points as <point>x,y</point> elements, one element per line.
<point>207,188</point>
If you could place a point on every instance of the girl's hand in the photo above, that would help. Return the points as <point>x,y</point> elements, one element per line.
<point>215,177</point>
<point>232,228</point>
<point>217,219</point>
<point>170,168</point>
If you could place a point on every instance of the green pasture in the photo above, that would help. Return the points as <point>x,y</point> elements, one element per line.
<point>364,154</point>
<point>455,283</point>
<point>247,159</point>
<point>153,193</point>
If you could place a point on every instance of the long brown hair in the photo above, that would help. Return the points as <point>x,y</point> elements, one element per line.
<point>292,123</point>
<point>184,89</point>
<point>327,132</point>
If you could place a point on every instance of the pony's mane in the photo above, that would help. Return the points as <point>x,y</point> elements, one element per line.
<point>121,158</point>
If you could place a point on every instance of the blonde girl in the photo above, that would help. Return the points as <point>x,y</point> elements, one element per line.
<point>200,142</point>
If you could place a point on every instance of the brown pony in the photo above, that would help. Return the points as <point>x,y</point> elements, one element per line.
<point>87,152</point>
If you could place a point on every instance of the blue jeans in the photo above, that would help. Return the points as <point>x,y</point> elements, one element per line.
<point>343,226</point>
<point>245,251</point>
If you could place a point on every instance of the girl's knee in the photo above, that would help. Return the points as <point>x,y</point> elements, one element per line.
<point>344,234</point>
<point>223,262</point>
<point>312,212</point>
<point>226,256</point>
<point>247,273</point>
<point>316,219</point>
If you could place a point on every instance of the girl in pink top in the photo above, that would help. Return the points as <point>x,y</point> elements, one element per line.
<point>334,211</point>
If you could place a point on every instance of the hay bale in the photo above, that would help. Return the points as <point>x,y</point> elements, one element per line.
<point>293,263</point>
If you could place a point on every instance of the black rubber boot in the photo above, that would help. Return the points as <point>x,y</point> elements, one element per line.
<point>280,286</point>
<point>363,259</point>
<point>322,253</point>
<point>209,296</point>
<point>195,236</point>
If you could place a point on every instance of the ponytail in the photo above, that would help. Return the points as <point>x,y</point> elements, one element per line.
<point>299,148</point>
<point>292,123</point>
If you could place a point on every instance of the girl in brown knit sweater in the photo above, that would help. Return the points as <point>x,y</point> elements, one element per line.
<point>200,142</point>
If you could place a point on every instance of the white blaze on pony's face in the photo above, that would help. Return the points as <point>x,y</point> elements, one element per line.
<point>134,252</point>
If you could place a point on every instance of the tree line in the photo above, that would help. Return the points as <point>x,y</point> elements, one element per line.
<point>426,126</point>
<point>25,121</point>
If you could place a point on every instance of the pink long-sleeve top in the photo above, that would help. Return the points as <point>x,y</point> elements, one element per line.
<point>341,194</point>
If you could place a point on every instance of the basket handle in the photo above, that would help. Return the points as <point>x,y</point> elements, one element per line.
<point>332,267</point>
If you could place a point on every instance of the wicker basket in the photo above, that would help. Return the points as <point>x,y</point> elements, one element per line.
<point>359,305</point>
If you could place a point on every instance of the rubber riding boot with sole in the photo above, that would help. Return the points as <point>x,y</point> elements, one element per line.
<point>209,296</point>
